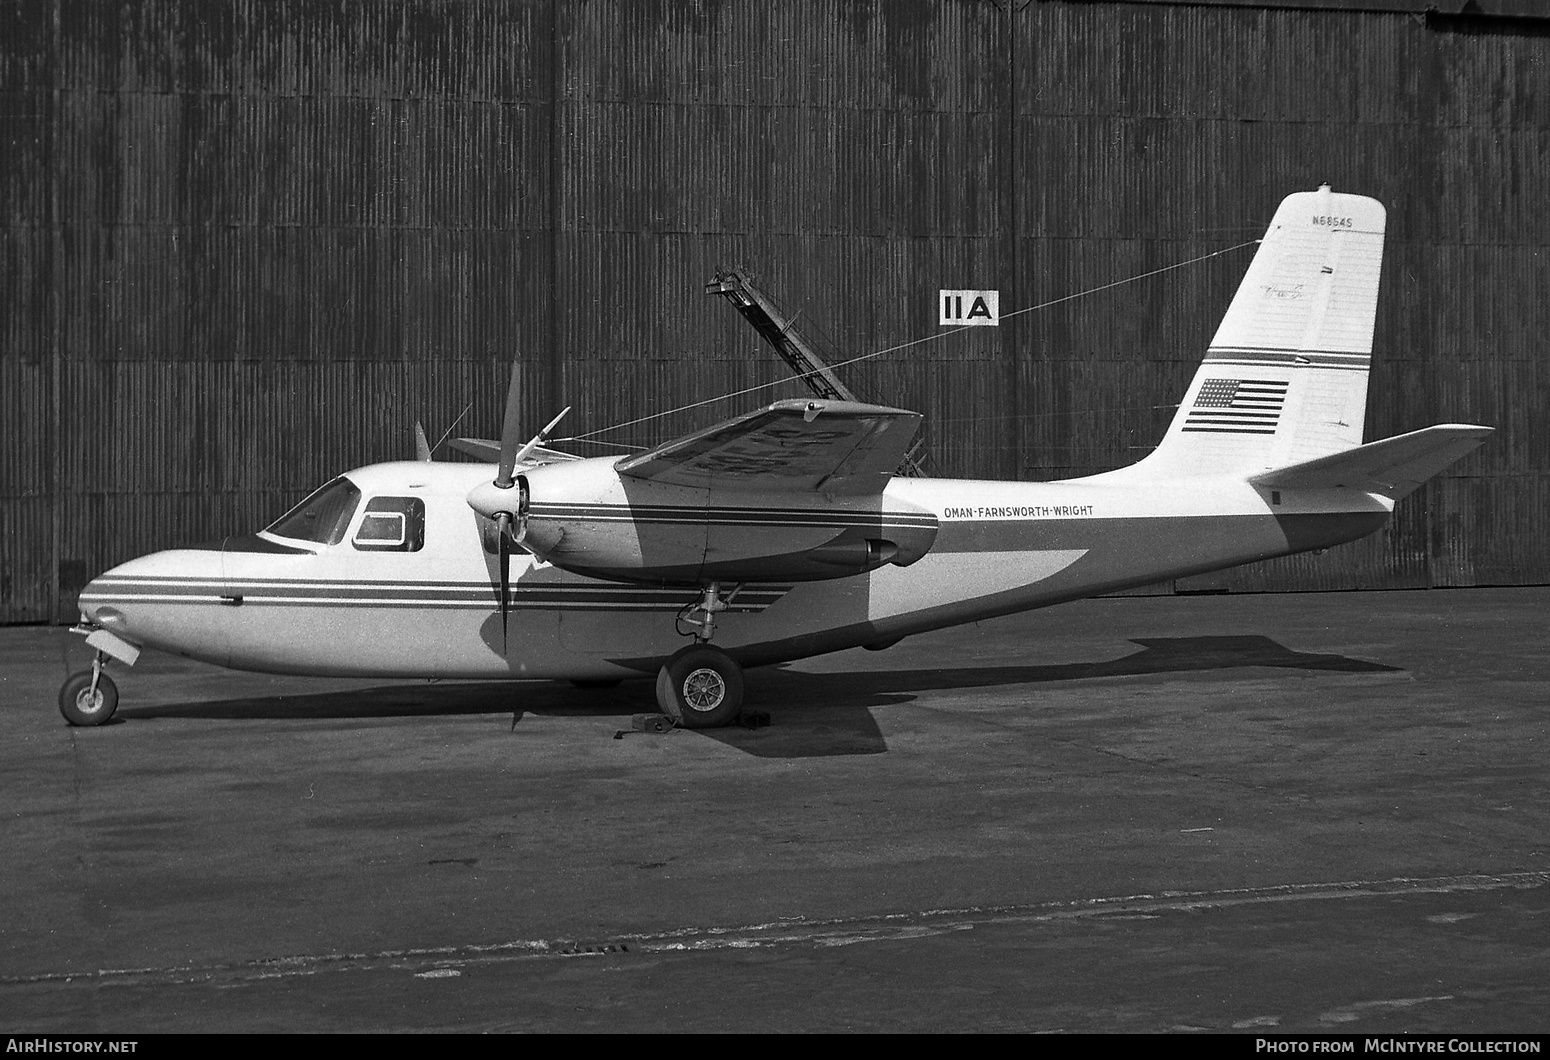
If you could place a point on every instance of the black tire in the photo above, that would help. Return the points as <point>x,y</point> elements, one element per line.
<point>701,688</point>
<point>78,705</point>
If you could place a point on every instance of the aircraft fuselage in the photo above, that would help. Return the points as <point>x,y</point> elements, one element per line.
<point>268,603</point>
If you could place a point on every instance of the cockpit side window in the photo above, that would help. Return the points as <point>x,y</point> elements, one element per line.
<point>392,524</point>
<point>323,517</point>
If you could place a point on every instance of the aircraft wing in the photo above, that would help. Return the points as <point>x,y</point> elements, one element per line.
<point>832,447</point>
<point>1393,467</point>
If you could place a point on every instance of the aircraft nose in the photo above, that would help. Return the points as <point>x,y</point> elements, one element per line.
<point>100,601</point>
<point>120,598</point>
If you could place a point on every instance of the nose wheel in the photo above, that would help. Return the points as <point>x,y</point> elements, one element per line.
<point>89,697</point>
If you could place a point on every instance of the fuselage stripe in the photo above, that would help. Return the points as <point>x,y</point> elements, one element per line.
<point>150,589</point>
<point>518,603</point>
<point>703,516</point>
<point>309,583</point>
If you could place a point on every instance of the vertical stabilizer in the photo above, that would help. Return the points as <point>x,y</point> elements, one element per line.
<point>1285,379</point>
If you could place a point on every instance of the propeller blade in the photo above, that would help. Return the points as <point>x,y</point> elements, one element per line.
<point>509,427</point>
<point>503,525</point>
<point>422,447</point>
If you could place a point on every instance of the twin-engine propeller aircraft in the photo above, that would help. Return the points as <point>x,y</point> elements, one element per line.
<point>784,533</point>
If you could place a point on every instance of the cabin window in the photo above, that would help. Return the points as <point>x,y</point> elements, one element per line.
<point>392,524</point>
<point>323,517</point>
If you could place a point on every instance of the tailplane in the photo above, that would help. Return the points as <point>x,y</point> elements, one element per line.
<point>1284,380</point>
<point>1393,467</point>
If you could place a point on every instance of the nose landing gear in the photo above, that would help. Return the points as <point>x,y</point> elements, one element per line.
<point>701,686</point>
<point>89,697</point>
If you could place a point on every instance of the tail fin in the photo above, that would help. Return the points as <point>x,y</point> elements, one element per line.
<point>1285,379</point>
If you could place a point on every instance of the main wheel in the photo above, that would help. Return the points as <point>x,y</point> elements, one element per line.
<point>80,706</point>
<point>701,687</point>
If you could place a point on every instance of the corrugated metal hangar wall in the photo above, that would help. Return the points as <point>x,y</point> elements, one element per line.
<point>244,244</point>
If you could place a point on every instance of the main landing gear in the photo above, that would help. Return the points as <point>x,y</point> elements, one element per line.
<point>89,697</point>
<point>701,686</point>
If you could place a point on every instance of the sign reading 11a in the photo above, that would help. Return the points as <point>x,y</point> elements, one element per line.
<point>963,308</point>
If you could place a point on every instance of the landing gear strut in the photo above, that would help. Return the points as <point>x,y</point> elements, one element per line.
<point>701,687</point>
<point>89,697</point>
<point>702,612</point>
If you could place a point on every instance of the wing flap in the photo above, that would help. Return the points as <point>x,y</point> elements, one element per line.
<point>838,448</point>
<point>1393,467</point>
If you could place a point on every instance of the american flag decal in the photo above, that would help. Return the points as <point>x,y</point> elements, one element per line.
<point>1237,406</point>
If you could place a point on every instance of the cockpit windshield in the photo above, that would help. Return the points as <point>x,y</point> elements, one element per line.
<point>323,517</point>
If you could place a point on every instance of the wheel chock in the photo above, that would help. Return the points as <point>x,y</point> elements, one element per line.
<point>754,719</point>
<point>647,723</point>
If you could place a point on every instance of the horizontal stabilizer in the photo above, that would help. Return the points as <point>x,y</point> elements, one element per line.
<point>1393,467</point>
<point>489,450</point>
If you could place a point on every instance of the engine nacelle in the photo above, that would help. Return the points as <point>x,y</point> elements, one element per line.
<point>584,517</point>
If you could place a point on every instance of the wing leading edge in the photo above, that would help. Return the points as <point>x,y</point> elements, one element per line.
<point>835,448</point>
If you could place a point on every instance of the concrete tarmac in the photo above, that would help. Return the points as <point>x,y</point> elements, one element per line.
<point>1280,813</point>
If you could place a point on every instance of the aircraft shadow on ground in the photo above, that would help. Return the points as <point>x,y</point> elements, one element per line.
<point>814,714</point>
